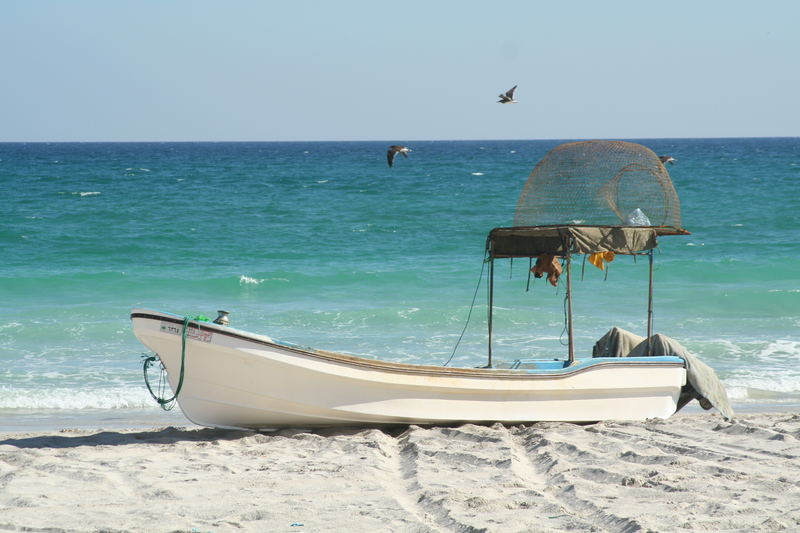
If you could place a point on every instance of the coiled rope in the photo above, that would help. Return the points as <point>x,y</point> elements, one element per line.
<point>167,403</point>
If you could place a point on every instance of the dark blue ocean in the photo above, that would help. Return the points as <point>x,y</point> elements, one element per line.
<point>322,244</point>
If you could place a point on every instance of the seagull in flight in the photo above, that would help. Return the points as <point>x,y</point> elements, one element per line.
<point>667,159</point>
<point>508,96</point>
<point>394,150</point>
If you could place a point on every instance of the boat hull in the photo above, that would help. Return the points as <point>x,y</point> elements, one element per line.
<point>236,379</point>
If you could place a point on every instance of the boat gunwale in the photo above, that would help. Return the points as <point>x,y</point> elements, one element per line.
<point>406,368</point>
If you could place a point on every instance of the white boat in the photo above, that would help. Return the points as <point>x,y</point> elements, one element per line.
<point>225,377</point>
<point>236,379</point>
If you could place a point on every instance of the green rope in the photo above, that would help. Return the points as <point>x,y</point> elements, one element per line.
<point>168,403</point>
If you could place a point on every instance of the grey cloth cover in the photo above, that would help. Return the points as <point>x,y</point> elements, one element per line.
<point>620,343</point>
<point>616,343</point>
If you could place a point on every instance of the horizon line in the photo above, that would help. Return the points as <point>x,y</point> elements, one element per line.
<point>394,141</point>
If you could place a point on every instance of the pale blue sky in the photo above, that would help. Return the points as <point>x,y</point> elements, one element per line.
<point>397,71</point>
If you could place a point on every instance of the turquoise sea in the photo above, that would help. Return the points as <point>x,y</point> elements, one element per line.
<point>322,244</point>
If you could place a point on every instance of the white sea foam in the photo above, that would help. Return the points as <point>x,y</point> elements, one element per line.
<point>63,398</point>
<point>247,280</point>
<point>407,312</point>
<point>750,385</point>
<point>477,173</point>
<point>770,373</point>
<point>781,348</point>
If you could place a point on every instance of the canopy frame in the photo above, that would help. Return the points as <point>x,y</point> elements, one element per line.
<point>565,241</point>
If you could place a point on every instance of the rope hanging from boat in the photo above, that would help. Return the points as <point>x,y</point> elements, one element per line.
<point>471,306</point>
<point>167,403</point>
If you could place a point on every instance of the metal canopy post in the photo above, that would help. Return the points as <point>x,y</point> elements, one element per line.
<point>650,302</point>
<point>570,341</point>
<point>491,299</point>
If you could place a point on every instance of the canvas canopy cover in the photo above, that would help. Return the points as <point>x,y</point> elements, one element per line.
<point>531,241</point>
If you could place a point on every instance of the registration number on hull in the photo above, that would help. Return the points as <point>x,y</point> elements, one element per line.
<point>192,332</point>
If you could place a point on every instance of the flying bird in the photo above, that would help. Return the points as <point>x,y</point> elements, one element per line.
<point>667,159</point>
<point>394,150</point>
<point>508,97</point>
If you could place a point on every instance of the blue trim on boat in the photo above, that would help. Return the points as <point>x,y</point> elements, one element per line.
<point>556,366</point>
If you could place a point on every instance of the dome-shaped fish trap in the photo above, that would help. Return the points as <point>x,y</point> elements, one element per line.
<point>603,183</point>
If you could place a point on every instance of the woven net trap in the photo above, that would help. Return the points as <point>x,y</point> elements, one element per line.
<point>603,183</point>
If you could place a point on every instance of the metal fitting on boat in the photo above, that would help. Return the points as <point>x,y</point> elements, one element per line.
<point>222,318</point>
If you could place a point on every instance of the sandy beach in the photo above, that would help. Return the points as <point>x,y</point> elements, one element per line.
<point>692,472</point>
